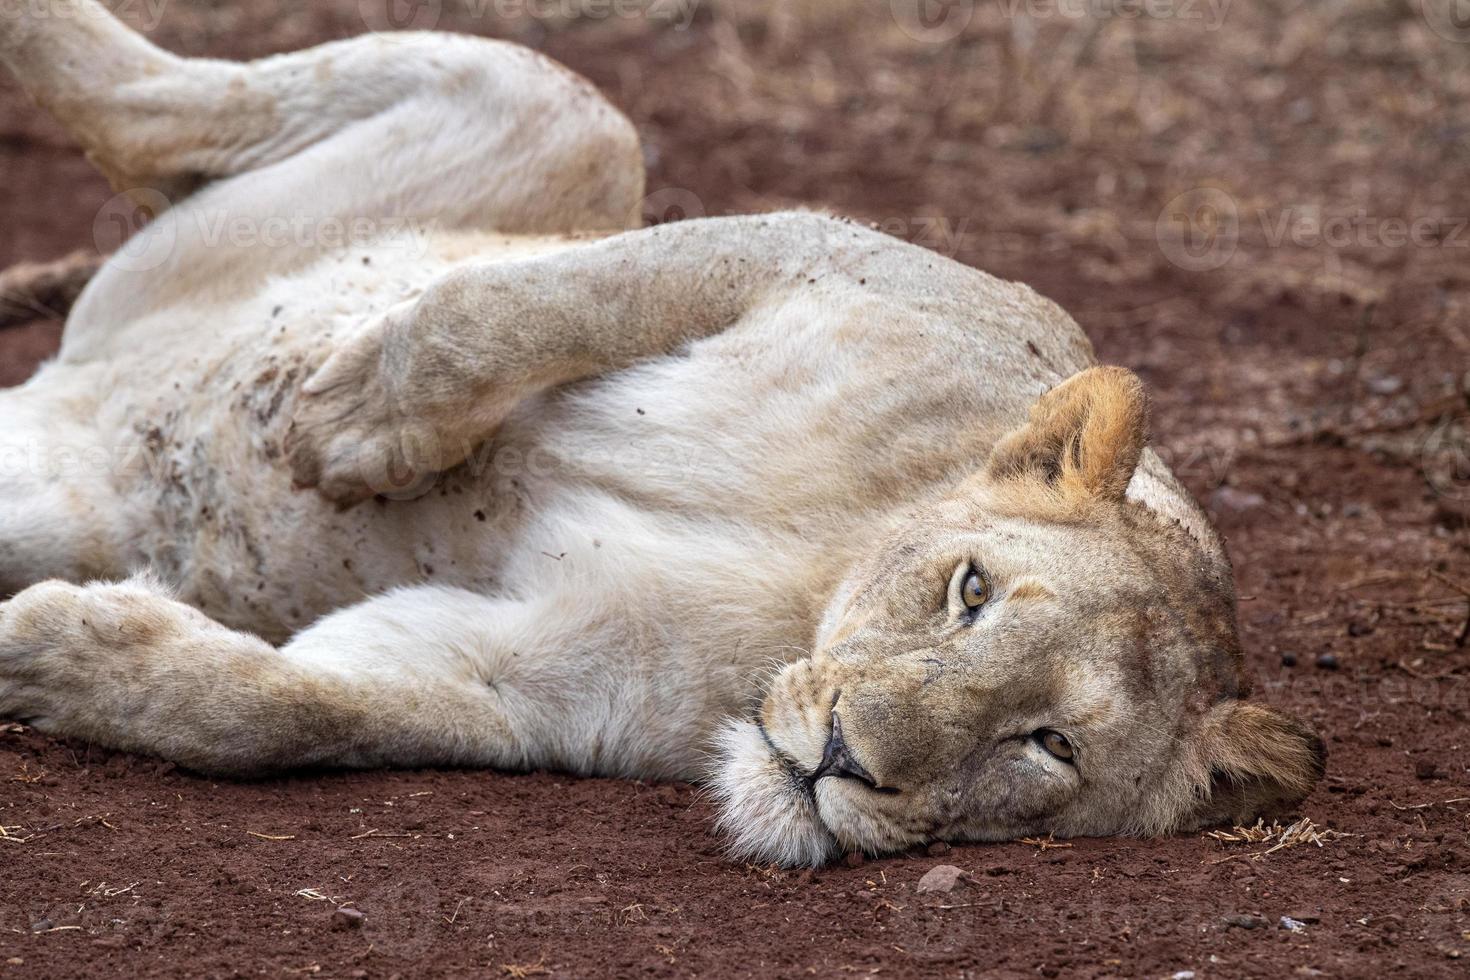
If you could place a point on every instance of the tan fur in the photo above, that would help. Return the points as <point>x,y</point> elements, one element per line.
<point>1091,430</point>
<point>1254,760</point>
<point>664,503</point>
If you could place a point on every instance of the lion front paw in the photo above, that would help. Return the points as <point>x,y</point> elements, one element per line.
<point>353,436</point>
<point>24,652</point>
<point>72,657</point>
<point>46,632</point>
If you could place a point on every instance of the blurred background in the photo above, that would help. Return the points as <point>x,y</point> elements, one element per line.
<point>1242,175</point>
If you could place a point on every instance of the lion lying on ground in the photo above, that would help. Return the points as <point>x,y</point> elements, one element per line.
<point>418,457</point>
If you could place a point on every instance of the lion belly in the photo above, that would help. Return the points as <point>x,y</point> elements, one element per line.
<point>193,420</point>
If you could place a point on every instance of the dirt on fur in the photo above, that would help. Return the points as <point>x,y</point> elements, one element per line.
<point>1263,209</point>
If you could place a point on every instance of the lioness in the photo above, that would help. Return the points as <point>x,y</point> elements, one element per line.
<point>454,469</point>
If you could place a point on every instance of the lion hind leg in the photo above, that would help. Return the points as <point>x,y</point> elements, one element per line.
<point>44,290</point>
<point>257,169</point>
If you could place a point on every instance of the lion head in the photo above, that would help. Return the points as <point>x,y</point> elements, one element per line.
<point>1039,652</point>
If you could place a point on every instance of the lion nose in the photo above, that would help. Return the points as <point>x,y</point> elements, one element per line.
<point>838,759</point>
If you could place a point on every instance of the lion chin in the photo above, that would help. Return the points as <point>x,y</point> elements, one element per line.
<point>766,809</point>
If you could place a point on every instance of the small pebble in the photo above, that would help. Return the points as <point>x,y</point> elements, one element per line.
<point>1288,660</point>
<point>346,918</point>
<point>1327,661</point>
<point>1385,384</point>
<point>1425,769</point>
<point>1293,925</point>
<point>941,878</point>
<point>1229,498</point>
<point>1244,921</point>
<point>1183,975</point>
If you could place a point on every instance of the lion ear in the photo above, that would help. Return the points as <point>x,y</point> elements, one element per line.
<point>1084,437</point>
<point>1258,762</point>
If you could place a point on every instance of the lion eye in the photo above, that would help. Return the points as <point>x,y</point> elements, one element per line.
<point>1056,743</point>
<point>975,592</point>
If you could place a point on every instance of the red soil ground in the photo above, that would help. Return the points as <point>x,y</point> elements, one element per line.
<point>1302,323</point>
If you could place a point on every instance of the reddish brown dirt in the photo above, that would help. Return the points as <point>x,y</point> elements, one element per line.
<point>1306,390</point>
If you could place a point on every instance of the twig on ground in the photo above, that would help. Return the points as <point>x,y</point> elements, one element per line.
<point>1424,806</point>
<point>1464,590</point>
<point>6,835</point>
<point>1043,843</point>
<point>1279,837</point>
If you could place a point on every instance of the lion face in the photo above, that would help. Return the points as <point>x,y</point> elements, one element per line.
<point>1035,654</point>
